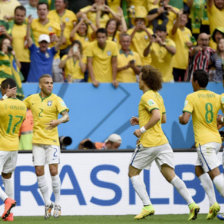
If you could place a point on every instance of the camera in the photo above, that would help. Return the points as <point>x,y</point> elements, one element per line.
<point>10,48</point>
<point>75,49</point>
<point>65,141</point>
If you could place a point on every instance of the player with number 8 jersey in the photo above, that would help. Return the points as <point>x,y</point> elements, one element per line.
<point>204,106</point>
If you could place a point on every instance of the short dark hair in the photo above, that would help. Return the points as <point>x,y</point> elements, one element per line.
<point>42,3</point>
<point>20,7</point>
<point>202,77</point>
<point>101,30</point>
<point>161,28</point>
<point>152,77</point>
<point>8,83</point>
<point>45,76</point>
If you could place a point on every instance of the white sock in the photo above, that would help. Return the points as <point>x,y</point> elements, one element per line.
<point>56,186</point>
<point>3,195</point>
<point>219,184</point>
<point>140,189</point>
<point>208,187</point>
<point>182,189</point>
<point>42,184</point>
<point>9,190</point>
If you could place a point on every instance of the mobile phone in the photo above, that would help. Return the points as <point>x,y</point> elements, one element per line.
<point>75,49</point>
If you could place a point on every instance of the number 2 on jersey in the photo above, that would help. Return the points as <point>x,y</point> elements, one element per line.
<point>11,118</point>
<point>209,113</point>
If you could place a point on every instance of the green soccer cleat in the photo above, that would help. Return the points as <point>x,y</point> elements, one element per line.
<point>194,210</point>
<point>213,211</point>
<point>146,211</point>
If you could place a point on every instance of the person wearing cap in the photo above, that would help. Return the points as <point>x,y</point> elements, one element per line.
<point>41,57</point>
<point>216,36</point>
<point>162,50</point>
<point>140,34</point>
<point>113,142</point>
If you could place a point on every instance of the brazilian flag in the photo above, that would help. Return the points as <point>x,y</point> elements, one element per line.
<point>9,69</point>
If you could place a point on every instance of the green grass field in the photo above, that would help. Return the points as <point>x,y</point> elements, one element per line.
<point>126,219</point>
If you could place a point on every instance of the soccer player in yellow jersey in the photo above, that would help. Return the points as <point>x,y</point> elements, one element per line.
<point>45,108</point>
<point>12,114</point>
<point>153,144</point>
<point>204,105</point>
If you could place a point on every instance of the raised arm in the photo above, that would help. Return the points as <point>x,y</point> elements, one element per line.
<point>60,41</point>
<point>28,31</point>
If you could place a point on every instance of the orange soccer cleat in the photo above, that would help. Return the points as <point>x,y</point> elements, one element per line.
<point>9,204</point>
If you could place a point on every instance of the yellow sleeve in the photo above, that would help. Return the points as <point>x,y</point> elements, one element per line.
<point>149,104</point>
<point>114,49</point>
<point>61,106</point>
<point>27,102</point>
<point>188,105</point>
<point>222,102</point>
<point>163,108</point>
<point>89,52</point>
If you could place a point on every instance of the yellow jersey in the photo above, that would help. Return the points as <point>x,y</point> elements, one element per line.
<point>180,38</point>
<point>204,106</point>
<point>162,60</point>
<point>92,16</point>
<point>154,136</point>
<point>127,75</point>
<point>45,110</point>
<point>114,4</point>
<point>216,17</point>
<point>72,67</point>
<point>12,114</point>
<point>49,28</point>
<point>18,43</point>
<point>138,44</point>
<point>222,102</point>
<point>102,68</point>
<point>68,18</point>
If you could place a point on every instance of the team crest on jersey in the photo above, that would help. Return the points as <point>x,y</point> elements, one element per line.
<point>49,103</point>
<point>151,103</point>
<point>146,37</point>
<point>50,28</point>
<point>109,53</point>
<point>185,103</point>
<point>67,19</point>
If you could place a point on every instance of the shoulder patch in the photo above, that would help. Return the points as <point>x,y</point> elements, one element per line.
<point>185,103</point>
<point>63,103</point>
<point>222,99</point>
<point>151,102</point>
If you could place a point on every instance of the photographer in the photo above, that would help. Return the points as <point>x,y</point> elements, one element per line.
<point>73,63</point>
<point>128,62</point>
<point>9,67</point>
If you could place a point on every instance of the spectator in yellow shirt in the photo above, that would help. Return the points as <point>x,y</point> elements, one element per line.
<point>181,35</point>
<point>59,15</point>
<point>74,64</point>
<point>140,35</point>
<point>102,60</point>
<point>7,8</point>
<point>19,44</point>
<point>162,50</point>
<point>128,62</point>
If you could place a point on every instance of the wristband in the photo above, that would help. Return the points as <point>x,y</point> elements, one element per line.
<point>222,119</point>
<point>5,97</point>
<point>142,129</point>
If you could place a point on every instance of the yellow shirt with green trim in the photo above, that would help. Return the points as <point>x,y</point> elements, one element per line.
<point>12,114</point>
<point>102,67</point>
<point>180,38</point>
<point>18,44</point>
<point>84,40</point>
<point>68,18</point>
<point>92,16</point>
<point>48,28</point>
<point>127,75</point>
<point>216,17</point>
<point>154,136</point>
<point>72,67</point>
<point>45,110</point>
<point>204,106</point>
<point>162,59</point>
<point>138,44</point>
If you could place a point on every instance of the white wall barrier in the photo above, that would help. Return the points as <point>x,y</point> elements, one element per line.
<point>97,184</point>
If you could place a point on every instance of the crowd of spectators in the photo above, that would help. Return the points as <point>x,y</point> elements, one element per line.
<point>109,41</point>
